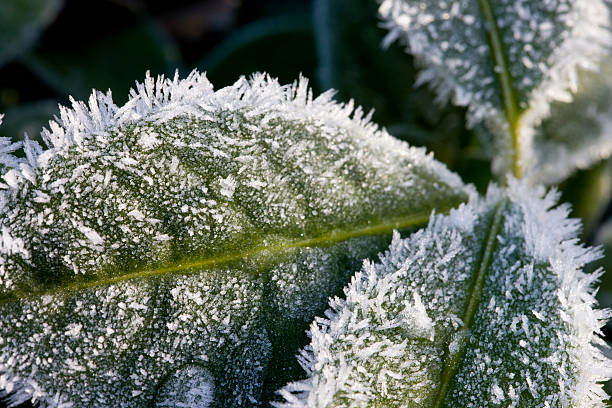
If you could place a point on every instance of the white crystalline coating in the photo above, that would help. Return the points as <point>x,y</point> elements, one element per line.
<point>508,356</point>
<point>191,227</point>
<point>544,42</point>
<point>577,134</point>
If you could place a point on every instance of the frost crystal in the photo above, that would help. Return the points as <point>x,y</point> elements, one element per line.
<point>487,306</point>
<point>193,230</point>
<point>497,56</point>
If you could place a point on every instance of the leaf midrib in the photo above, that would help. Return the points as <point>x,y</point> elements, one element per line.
<point>509,101</point>
<point>278,248</point>
<point>473,299</point>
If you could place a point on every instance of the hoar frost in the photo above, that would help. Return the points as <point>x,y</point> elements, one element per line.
<point>404,335</point>
<point>191,228</point>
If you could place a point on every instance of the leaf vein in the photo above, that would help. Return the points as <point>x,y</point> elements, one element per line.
<point>473,299</point>
<point>509,101</point>
<point>329,238</point>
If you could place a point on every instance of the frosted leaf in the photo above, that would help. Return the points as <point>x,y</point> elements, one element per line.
<point>506,60</point>
<point>577,134</point>
<point>191,227</point>
<point>487,306</point>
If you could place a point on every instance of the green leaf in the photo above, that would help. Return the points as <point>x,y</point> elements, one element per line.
<point>256,47</point>
<point>21,21</point>
<point>506,60</point>
<point>486,307</point>
<point>353,63</point>
<point>192,233</point>
<point>110,63</point>
<point>578,133</point>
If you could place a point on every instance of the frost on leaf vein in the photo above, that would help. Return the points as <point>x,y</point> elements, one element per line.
<point>191,230</point>
<point>533,339</point>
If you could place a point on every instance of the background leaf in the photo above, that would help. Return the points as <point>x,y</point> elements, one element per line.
<point>604,238</point>
<point>589,192</point>
<point>352,62</point>
<point>192,231</point>
<point>604,296</point>
<point>21,22</point>
<point>137,49</point>
<point>28,118</point>
<point>256,48</point>
<point>487,306</point>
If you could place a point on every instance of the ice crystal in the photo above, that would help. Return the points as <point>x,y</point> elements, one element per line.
<point>193,231</point>
<point>487,306</point>
<point>536,47</point>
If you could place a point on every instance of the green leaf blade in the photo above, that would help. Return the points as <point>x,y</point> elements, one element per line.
<point>487,306</point>
<point>195,231</point>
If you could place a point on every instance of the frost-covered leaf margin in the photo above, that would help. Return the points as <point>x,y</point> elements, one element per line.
<point>578,133</point>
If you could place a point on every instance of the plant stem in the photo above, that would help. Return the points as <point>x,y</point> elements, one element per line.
<point>505,79</point>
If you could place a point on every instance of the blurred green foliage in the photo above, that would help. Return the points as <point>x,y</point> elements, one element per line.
<point>110,63</point>
<point>21,22</point>
<point>282,46</point>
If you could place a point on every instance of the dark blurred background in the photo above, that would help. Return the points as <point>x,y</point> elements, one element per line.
<point>51,50</point>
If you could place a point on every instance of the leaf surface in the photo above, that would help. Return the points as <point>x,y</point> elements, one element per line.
<point>506,60</point>
<point>191,234</point>
<point>486,307</point>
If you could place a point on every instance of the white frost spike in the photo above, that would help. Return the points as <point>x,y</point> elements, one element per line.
<point>91,234</point>
<point>543,44</point>
<point>7,147</point>
<point>358,358</point>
